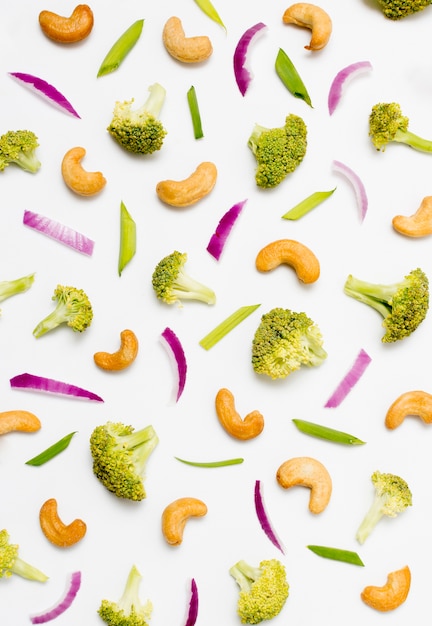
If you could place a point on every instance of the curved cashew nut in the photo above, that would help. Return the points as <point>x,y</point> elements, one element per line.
<point>175,516</point>
<point>55,530</point>
<point>77,178</point>
<point>22,421</point>
<point>67,29</point>
<point>183,193</point>
<point>124,356</point>
<point>392,594</point>
<point>291,252</point>
<point>307,472</point>
<point>182,48</point>
<point>417,403</point>
<point>248,428</point>
<point>417,225</point>
<point>312,17</point>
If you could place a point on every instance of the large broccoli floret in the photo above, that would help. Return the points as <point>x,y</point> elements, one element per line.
<point>172,284</point>
<point>388,124</point>
<point>263,590</point>
<point>140,131</point>
<point>403,304</point>
<point>284,341</point>
<point>392,496</point>
<point>129,610</point>
<point>10,288</point>
<point>397,9</point>
<point>278,151</point>
<point>19,147</point>
<point>11,563</point>
<point>73,308</point>
<point>120,454</point>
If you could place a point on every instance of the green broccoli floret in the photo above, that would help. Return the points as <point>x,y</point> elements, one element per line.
<point>172,284</point>
<point>73,308</point>
<point>120,454</point>
<point>129,610</point>
<point>140,131</point>
<point>278,151</point>
<point>403,304</point>
<point>284,341</point>
<point>10,288</point>
<point>19,147</point>
<point>263,590</point>
<point>11,563</point>
<point>392,496</point>
<point>397,9</point>
<point>387,124</point>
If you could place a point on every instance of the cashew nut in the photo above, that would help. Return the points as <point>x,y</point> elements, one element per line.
<point>175,516</point>
<point>55,530</point>
<point>67,29</point>
<point>22,421</point>
<point>307,472</point>
<point>312,17</point>
<point>124,356</point>
<point>182,48</point>
<point>417,403</point>
<point>248,428</point>
<point>186,192</point>
<point>76,178</point>
<point>392,594</point>
<point>291,252</point>
<point>417,225</point>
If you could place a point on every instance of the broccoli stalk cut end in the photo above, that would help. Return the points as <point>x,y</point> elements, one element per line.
<point>129,609</point>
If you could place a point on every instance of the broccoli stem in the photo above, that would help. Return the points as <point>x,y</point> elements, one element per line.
<point>413,140</point>
<point>10,288</point>
<point>142,443</point>
<point>130,596</point>
<point>154,103</point>
<point>54,319</point>
<point>25,570</point>
<point>370,520</point>
<point>376,296</point>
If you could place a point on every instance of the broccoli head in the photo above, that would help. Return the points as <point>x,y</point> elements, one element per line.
<point>11,563</point>
<point>10,288</point>
<point>140,131</point>
<point>120,454</point>
<point>278,151</point>
<point>19,147</point>
<point>284,341</point>
<point>403,304</point>
<point>263,590</point>
<point>172,284</point>
<point>129,610</point>
<point>397,9</point>
<point>392,496</point>
<point>388,124</point>
<point>73,308</point>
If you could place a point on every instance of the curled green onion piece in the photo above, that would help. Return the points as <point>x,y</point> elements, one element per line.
<point>195,113</point>
<point>127,238</point>
<point>207,7</point>
<point>223,463</point>
<point>330,434</point>
<point>290,77</point>
<point>307,204</point>
<point>52,451</point>
<point>227,325</point>
<point>336,554</point>
<point>121,48</point>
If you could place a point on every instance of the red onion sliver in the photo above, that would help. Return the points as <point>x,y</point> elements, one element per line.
<point>219,237</point>
<point>349,380</point>
<point>176,349</point>
<point>63,604</point>
<point>40,383</point>
<point>263,517</point>
<point>357,184</point>
<point>242,74</point>
<point>60,232</point>
<point>44,89</point>
<point>193,605</point>
<point>348,72</point>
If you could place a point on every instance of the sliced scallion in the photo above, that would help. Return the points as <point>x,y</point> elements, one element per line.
<point>227,325</point>
<point>195,113</point>
<point>223,463</point>
<point>127,238</point>
<point>307,204</point>
<point>324,432</point>
<point>337,554</point>
<point>207,7</point>
<point>52,451</point>
<point>121,48</point>
<point>289,76</point>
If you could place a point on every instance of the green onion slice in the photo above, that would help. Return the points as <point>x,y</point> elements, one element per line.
<point>52,451</point>
<point>336,554</point>
<point>227,325</point>
<point>121,48</point>
<point>290,77</point>
<point>223,463</point>
<point>127,238</point>
<point>323,432</point>
<point>307,204</point>
<point>195,113</point>
<point>207,7</point>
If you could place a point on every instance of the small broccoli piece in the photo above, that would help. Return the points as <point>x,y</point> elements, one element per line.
<point>392,496</point>
<point>278,151</point>
<point>397,9</point>
<point>284,341</point>
<point>403,305</point>
<point>120,454</point>
<point>10,288</point>
<point>263,590</point>
<point>140,131</point>
<point>19,147</point>
<point>11,563</point>
<point>73,308</point>
<point>387,124</point>
<point>172,284</point>
<point>129,610</point>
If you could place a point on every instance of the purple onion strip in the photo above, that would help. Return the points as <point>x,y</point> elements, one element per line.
<point>176,349</point>
<point>218,239</point>
<point>263,517</point>
<point>44,89</point>
<point>63,604</point>
<point>40,383</point>
<point>242,74</point>
<point>349,380</point>
<point>61,233</point>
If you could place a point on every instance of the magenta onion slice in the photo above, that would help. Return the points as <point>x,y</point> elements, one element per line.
<point>49,385</point>
<point>339,81</point>
<point>242,73</point>
<point>356,182</point>
<point>63,604</point>
<point>263,517</point>
<point>46,90</point>
<point>349,380</point>
<point>218,239</point>
<point>64,234</point>
<point>176,350</point>
<point>193,605</point>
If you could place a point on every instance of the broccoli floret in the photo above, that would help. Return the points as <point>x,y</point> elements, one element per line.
<point>120,454</point>
<point>387,124</point>
<point>172,284</point>
<point>11,563</point>
<point>19,147</point>
<point>397,9</point>
<point>403,305</point>
<point>140,131</point>
<point>73,308</point>
<point>278,151</point>
<point>129,610</point>
<point>392,496</point>
<point>10,288</point>
<point>263,590</point>
<point>284,341</point>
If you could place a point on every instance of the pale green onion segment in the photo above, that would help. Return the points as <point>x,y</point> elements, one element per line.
<point>323,432</point>
<point>289,76</point>
<point>207,7</point>
<point>307,204</point>
<point>195,113</point>
<point>52,451</point>
<point>227,325</point>
<point>223,463</point>
<point>127,238</point>
<point>121,48</point>
<point>337,554</point>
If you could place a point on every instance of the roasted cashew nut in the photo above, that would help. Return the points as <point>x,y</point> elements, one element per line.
<point>175,516</point>
<point>417,225</point>
<point>248,428</point>
<point>55,530</point>
<point>307,472</point>
<point>312,17</point>
<point>185,192</point>
<point>182,48</point>
<point>77,178</point>
<point>21,421</point>
<point>67,29</point>
<point>125,355</point>
<point>290,252</point>
<point>418,403</point>
<point>392,594</point>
